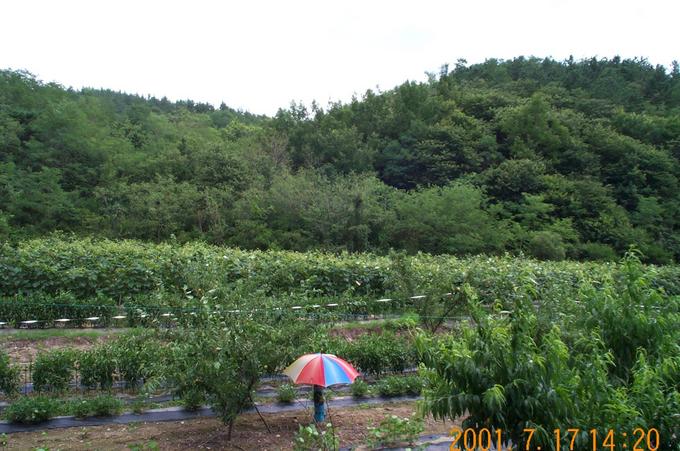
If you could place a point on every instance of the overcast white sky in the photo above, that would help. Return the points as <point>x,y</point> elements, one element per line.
<point>259,55</point>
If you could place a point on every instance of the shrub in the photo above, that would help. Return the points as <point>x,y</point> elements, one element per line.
<point>138,406</point>
<point>597,251</point>
<point>104,405</point>
<point>121,270</point>
<point>546,246</point>
<point>226,359</point>
<point>138,355</point>
<point>400,386</point>
<point>97,367</point>
<point>31,410</point>
<point>611,363</point>
<point>80,408</point>
<point>286,393</point>
<point>359,388</point>
<point>376,354</point>
<point>407,321</point>
<point>9,376</point>
<point>394,430</point>
<point>309,438</point>
<point>53,370</point>
<point>192,400</point>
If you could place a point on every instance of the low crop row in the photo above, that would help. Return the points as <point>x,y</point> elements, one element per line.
<point>374,354</point>
<point>165,309</point>
<point>134,358</point>
<point>37,409</point>
<point>32,410</point>
<point>131,359</point>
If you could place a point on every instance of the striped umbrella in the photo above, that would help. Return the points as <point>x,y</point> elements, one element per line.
<point>321,369</point>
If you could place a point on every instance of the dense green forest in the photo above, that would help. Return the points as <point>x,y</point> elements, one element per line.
<point>554,159</point>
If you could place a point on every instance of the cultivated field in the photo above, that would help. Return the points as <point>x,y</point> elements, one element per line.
<point>494,343</point>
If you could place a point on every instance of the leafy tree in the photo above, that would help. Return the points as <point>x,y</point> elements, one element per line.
<point>609,371</point>
<point>547,246</point>
<point>583,149</point>
<point>223,357</point>
<point>451,219</point>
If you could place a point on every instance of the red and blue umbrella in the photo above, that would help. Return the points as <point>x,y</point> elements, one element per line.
<point>322,370</point>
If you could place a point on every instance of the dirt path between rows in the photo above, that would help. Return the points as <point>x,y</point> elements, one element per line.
<point>209,433</point>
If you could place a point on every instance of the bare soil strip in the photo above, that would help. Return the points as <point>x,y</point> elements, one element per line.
<point>208,433</point>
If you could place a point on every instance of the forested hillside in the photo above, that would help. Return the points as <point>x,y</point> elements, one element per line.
<point>556,159</point>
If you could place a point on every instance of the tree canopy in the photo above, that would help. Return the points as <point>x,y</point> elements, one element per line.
<point>556,159</point>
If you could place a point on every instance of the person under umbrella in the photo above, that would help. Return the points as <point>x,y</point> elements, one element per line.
<point>320,371</point>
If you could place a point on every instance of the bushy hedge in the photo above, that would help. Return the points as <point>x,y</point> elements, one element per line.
<point>49,307</point>
<point>133,358</point>
<point>53,370</point>
<point>85,268</point>
<point>84,277</point>
<point>359,388</point>
<point>286,393</point>
<point>97,367</point>
<point>120,269</point>
<point>9,376</point>
<point>103,405</point>
<point>369,353</point>
<point>379,353</point>
<point>400,385</point>
<point>138,357</point>
<point>609,362</point>
<point>31,410</point>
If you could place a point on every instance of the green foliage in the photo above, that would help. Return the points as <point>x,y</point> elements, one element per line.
<point>597,251</point>
<point>126,269</point>
<point>224,358</point>
<point>441,292</point>
<point>84,268</point>
<point>102,405</point>
<point>150,445</point>
<point>376,353</point>
<point>407,321</point>
<point>286,393</point>
<point>138,406</point>
<point>483,158</point>
<point>596,363</point>
<point>359,388</point>
<point>192,400</point>
<point>9,376</point>
<point>97,367</point>
<point>139,357</point>
<point>646,321</point>
<point>392,386</point>
<point>446,220</point>
<point>31,410</point>
<point>80,408</point>
<point>53,370</point>
<point>394,430</point>
<point>546,246</point>
<point>48,307</point>
<point>134,357</point>
<point>151,280</point>
<point>311,438</point>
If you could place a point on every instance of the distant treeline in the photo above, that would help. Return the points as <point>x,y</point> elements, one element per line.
<point>555,159</point>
